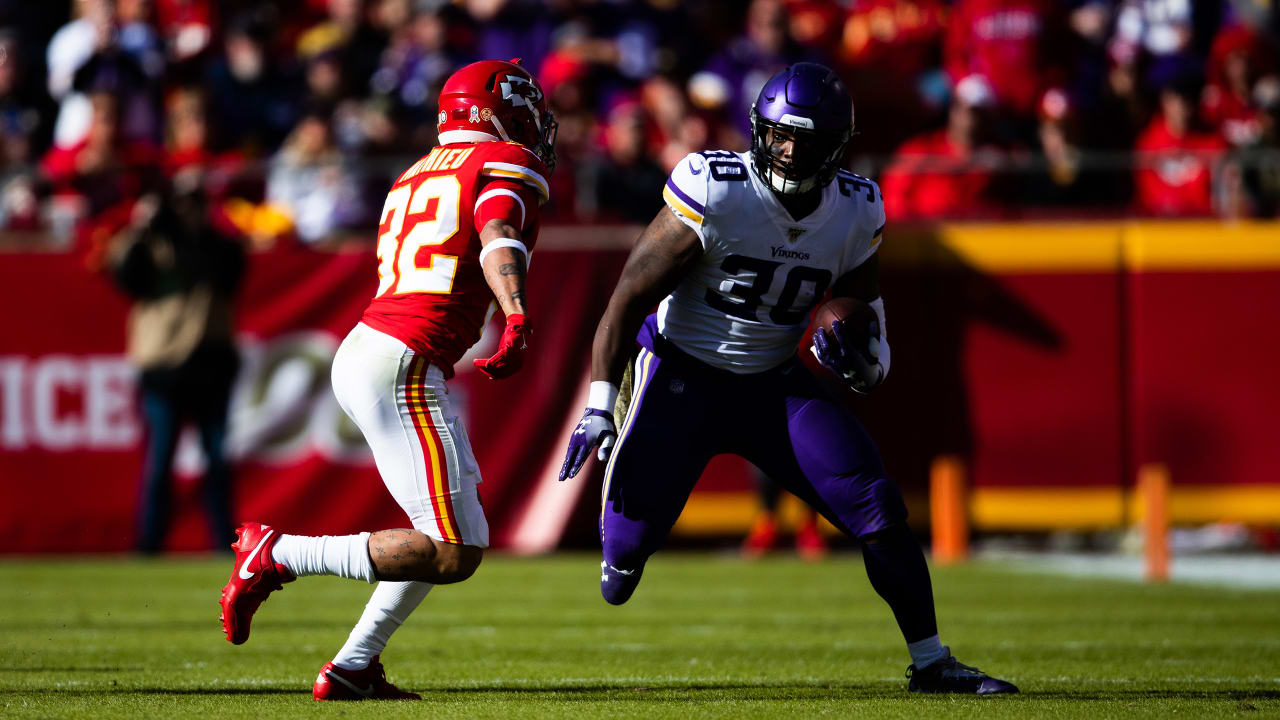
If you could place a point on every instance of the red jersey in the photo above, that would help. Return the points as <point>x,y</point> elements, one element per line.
<point>1174,176</point>
<point>1015,44</point>
<point>931,178</point>
<point>432,294</point>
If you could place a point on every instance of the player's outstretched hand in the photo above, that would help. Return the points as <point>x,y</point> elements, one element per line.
<point>595,428</point>
<point>511,349</point>
<point>856,362</point>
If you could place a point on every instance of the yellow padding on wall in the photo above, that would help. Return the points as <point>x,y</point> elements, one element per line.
<point>1145,246</point>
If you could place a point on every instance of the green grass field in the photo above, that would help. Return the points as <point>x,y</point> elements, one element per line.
<point>705,636</point>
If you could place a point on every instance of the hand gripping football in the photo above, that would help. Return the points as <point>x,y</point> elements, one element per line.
<point>847,342</point>
<point>857,319</point>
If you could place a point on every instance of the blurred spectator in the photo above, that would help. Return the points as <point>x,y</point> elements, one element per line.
<point>110,48</point>
<point>565,79</point>
<point>628,183</point>
<point>252,103</point>
<point>103,168</point>
<point>413,68</point>
<point>728,85</point>
<point>69,49</point>
<point>511,29</point>
<point>816,25</point>
<point>325,84</point>
<point>312,184</point>
<point>19,132</point>
<point>892,50</point>
<point>137,37</point>
<point>1176,162</point>
<point>1091,22</point>
<point>348,39</point>
<point>675,131</point>
<point>1017,46</point>
<point>182,275</point>
<point>1066,181</point>
<point>1241,74</point>
<point>186,132</point>
<point>949,172</point>
<point>235,90</point>
<point>1261,176</point>
<point>186,27</point>
<point>187,143</point>
<point>1157,36</point>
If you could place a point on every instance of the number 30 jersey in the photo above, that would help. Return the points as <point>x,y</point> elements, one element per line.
<point>432,295</point>
<point>745,304</point>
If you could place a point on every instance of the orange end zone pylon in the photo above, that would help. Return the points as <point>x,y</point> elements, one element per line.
<point>948,510</point>
<point>1153,488</point>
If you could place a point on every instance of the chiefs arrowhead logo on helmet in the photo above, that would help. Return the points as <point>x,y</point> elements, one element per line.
<point>519,91</point>
<point>511,107</point>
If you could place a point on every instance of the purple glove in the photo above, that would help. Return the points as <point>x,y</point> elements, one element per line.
<point>595,428</point>
<point>839,353</point>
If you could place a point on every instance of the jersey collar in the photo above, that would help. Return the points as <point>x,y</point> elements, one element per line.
<point>779,214</point>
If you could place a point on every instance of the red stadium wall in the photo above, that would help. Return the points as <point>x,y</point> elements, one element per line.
<point>1055,359</point>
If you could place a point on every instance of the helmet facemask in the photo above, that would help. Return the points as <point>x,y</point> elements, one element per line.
<point>545,149</point>
<point>815,155</point>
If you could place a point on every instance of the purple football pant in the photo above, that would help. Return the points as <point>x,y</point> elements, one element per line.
<point>684,412</point>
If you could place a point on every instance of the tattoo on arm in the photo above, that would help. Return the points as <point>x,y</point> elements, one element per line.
<point>659,260</point>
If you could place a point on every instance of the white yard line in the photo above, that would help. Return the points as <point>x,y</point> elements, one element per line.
<point>1260,572</point>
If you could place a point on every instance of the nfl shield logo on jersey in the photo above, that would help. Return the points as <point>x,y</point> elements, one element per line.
<point>793,234</point>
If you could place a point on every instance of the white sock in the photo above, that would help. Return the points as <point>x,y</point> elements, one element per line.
<point>383,614</point>
<point>927,651</point>
<point>342,555</point>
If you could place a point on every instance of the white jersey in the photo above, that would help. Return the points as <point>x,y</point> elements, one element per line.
<point>745,304</point>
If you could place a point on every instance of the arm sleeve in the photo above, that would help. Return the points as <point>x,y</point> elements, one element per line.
<point>509,200</point>
<point>686,193</point>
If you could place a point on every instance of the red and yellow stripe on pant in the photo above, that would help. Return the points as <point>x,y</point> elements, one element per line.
<point>428,422</point>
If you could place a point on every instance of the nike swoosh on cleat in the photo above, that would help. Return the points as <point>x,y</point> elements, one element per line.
<point>368,693</point>
<point>244,569</point>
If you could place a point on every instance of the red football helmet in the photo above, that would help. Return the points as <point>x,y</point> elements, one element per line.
<point>497,100</point>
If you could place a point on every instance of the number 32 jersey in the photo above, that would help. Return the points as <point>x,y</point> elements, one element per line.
<point>745,303</point>
<point>432,295</point>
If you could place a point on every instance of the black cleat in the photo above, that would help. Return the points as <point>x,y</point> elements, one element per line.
<point>949,675</point>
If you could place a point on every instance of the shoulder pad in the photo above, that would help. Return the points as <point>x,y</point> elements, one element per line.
<point>514,161</point>
<point>686,189</point>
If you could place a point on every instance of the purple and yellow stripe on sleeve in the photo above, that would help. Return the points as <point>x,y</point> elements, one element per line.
<point>682,203</point>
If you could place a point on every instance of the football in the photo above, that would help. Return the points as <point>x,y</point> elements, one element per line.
<point>857,317</point>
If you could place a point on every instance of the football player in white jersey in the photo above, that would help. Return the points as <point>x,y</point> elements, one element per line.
<point>747,244</point>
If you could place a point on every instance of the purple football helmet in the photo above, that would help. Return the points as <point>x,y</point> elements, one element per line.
<point>809,102</point>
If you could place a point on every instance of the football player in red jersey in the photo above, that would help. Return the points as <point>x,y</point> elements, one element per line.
<point>455,236</point>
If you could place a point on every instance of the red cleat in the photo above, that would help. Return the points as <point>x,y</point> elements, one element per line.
<point>762,538</point>
<point>335,683</point>
<point>254,577</point>
<point>809,541</point>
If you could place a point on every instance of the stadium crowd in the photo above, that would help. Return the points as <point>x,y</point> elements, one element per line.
<point>297,113</point>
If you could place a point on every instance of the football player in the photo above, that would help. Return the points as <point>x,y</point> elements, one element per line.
<point>747,244</point>
<point>456,232</point>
